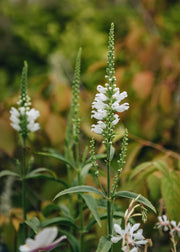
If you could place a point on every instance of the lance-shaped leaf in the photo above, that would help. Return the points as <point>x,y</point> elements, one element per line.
<point>34,223</point>
<point>92,205</point>
<point>9,173</point>
<point>57,156</point>
<point>79,189</point>
<point>104,245</point>
<point>132,195</point>
<point>60,221</point>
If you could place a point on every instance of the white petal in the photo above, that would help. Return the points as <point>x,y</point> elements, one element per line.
<point>118,229</point>
<point>15,126</point>
<point>116,120</point>
<point>101,89</point>
<point>46,236</point>
<point>135,227</point>
<point>14,111</point>
<point>100,114</point>
<point>115,239</point>
<point>173,223</point>
<point>24,248</point>
<point>120,108</point>
<point>100,97</point>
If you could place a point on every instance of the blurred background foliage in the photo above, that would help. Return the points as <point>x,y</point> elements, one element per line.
<point>48,35</point>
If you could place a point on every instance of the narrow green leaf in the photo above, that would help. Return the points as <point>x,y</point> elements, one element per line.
<point>104,245</point>
<point>140,168</point>
<point>92,205</point>
<point>34,223</point>
<point>39,170</point>
<point>112,151</point>
<point>9,173</point>
<point>57,156</point>
<point>161,166</point>
<point>84,171</point>
<point>59,220</point>
<point>74,243</point>
<point>79,189</point>
<point>97,157</point>
<point>132,195</point>
<point>43,176</point>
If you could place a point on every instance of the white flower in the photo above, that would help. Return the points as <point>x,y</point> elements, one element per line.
<point>15,118</point>
<point>31,116</point>
<point>101,103</point>
<point>130,236</point>
<point>98,128</point>
<point>176,227</point>
<point>43,241</point>
<point>163,222</point>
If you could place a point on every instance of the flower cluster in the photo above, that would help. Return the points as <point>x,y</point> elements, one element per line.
<point>101,105</point>
<point>23,119</point>
<point>24,114</point>
<point>43,241</point>
<point>131,237</point>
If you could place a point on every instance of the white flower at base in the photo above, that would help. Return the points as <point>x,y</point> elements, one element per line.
<point>43,241</point>
<point>163,222</point>
<point>130,236</point>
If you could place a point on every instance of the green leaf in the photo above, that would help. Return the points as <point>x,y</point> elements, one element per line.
<point>57,156</point>
<point>140,168</point>
<point>132,195</point>
<point>104,245</point>
<point>79,189</point>
<point>92,205</point>
<point>34,223</point>
<point>59,220</point>
<point>84,171</point>
<point>38,171</point>
<point>43,176</point>
<point>97,157</point>
<point>161,166</point>
<point>72,240</point>
<point>171,194</point>
<point>9,173</point>
<point>112,151</point>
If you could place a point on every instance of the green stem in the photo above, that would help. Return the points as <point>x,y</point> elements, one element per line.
<point>109,200</point>
<point>81,215</point>
<point>80,199</point>
<point>23,179</point>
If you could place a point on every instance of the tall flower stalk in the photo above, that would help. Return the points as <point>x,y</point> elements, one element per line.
<point>72,142</point>
<point>23,120</point>
<point>105,107</point>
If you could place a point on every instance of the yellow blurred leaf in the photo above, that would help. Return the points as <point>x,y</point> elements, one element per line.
<point>165,98</point>
<point>55,128</point>
<point>7,139</point>
<point>143,83</point>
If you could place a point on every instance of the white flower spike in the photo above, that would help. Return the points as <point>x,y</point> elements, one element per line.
<point>43,241</point>
<point>107,101</point>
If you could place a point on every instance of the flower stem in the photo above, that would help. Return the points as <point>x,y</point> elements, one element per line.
<point>23,179</point>
<point>109,200</point>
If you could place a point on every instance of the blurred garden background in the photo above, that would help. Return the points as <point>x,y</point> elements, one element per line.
<point>48,34</point>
